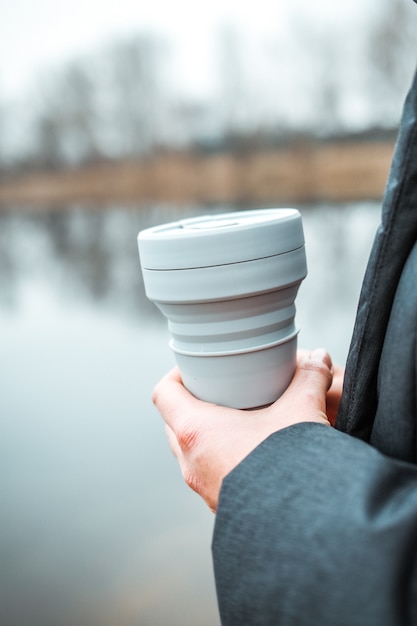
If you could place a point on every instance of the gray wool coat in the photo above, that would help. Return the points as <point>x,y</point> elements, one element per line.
<point>318,526</point>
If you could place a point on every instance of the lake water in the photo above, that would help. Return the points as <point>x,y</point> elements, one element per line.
<point>97,526</point>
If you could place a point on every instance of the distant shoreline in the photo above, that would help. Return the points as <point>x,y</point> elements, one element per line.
<point>342,171</point>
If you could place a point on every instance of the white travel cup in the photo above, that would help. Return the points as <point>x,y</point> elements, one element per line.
<point>227,285</point>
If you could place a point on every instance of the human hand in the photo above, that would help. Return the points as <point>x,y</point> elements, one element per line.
<point>210,440</point>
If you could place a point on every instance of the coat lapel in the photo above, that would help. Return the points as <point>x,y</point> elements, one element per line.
<point>393,243</point>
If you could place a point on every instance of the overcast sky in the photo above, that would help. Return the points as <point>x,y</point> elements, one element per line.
<point>37,34</point>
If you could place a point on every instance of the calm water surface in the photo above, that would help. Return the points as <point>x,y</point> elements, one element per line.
<point>97,527</point>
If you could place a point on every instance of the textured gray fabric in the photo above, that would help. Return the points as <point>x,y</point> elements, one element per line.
<point>317,528</point>
<point>393,243</point>
<point>394,427</point>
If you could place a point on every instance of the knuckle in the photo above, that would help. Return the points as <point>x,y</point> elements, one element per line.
<point>314,366</point>
<point>188,437</point>
<point>191,480</point>
<point>155,395</point>
<point>319,370</point>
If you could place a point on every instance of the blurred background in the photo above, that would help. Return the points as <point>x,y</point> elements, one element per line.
<point>116,116</point>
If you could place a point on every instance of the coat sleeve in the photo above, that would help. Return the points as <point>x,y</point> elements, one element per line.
<point>317,528</point>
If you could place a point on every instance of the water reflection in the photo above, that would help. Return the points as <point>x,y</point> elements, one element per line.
<point>97,526</point>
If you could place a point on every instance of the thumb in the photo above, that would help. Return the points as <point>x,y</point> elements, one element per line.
<point>312,379</point>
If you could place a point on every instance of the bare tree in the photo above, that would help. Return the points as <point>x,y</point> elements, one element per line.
<point>134,106</point>
<point>106,105</point>
<point>65,118</point>
<point>392,55</point>
<point>232,102</point>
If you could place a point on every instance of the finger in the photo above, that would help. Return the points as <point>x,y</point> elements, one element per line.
<point>173,442</point>
<point>173,375</point>
<point>338,375</point>
<point>334,394</point>
<point>313,378</point>
<point>182,461</point>
<point>169,394</point>
<point>317,360</point>
<point>191,477</point>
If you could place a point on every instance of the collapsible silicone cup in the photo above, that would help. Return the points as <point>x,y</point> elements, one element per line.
<point>227,285</point>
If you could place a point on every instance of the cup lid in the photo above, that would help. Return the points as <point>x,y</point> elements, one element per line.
<point>221,239</point>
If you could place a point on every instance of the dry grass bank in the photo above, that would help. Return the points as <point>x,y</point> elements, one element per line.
<point>345,171</point>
